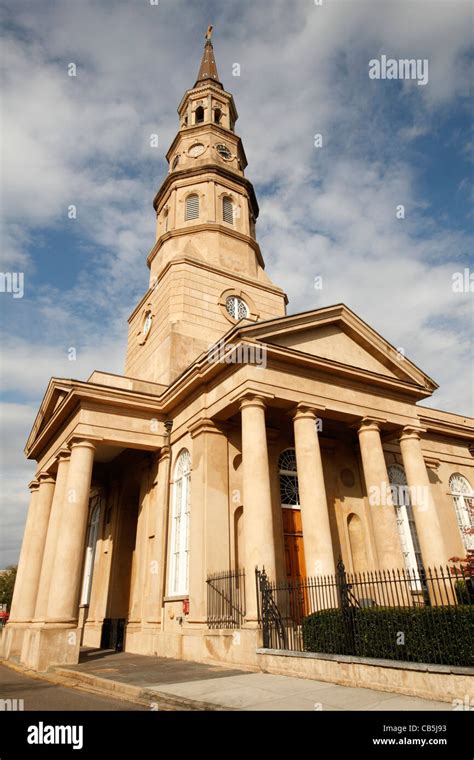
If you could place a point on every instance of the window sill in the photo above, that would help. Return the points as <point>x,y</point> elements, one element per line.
<point>177,598</point>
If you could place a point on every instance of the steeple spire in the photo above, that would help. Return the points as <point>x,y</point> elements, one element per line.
<point>208,68</point>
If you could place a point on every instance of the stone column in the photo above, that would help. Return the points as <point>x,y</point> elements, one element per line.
<point>52,536</point>
<point>66,579</point>
<point>258,522</point>
<point>14,633</point>
<point>424,509</point>
<point>15,610</point>
<point>209,550</point>
<point>25,605</point>
<point>158,533</point>
<point>382,510</point>
<point>140,574</point>
<point>318,550</point>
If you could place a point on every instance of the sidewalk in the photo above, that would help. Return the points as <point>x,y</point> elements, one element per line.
<point>170,684</point>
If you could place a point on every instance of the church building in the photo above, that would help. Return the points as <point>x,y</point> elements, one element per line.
<point>238,437</point>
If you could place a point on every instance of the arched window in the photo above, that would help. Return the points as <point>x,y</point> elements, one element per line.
<point>165,219</point>
<point>192,207</point>
<point>199,115</point>
<point>228,210</point>
<point>289,493</point>
<point>92,535</point>
<point>405,521</point>
<point>236,307</point>
<point>463,498</point>
<point>179,547</point>
<point>217,115</point>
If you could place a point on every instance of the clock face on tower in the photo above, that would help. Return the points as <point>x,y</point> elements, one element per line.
<point>196,150</point>
<point>224,151</point>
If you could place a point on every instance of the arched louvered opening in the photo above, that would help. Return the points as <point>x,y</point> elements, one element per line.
<point>192,207</point>
<point>199,115</point>
<point>228,210</point>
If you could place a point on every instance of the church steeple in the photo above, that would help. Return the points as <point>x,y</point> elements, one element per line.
<point>206,267</point>
<point>208,68</point>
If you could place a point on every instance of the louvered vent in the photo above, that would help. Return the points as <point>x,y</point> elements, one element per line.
<point>192,207</point>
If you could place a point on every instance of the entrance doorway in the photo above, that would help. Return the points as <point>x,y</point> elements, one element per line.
<point>292,534</point>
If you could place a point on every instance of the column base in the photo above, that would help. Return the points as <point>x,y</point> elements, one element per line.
<point>48,645</point>
<point>12,639</point>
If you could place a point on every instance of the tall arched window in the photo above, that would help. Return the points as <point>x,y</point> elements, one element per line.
<point>228,210</point>
<point>199,115</point>
<point>463,498</point>
<point>217,115</point>
<point>289,493</point>
<point>192,207</point>
<point>405,520</point>
<point>92,535</point>
<point>179,559</point>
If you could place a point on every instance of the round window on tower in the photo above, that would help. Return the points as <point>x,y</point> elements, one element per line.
<point>146,324</point>
<point>236,307</point>
<point>196,150</point>
<point>224,151</point>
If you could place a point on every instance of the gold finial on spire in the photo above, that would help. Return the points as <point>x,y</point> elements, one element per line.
<point>209,33</point>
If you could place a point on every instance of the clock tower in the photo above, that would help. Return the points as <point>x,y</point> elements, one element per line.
<point>206,268</point>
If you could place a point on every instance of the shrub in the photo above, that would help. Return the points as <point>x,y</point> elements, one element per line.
<point>443,635</point>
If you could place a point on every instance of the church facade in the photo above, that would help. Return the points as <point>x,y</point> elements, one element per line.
<point>238,437</point>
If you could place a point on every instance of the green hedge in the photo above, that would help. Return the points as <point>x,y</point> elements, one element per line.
<point>443,635</point>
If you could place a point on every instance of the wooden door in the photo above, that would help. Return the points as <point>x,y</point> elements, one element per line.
<point>294,550</point>
<point>295,562</point>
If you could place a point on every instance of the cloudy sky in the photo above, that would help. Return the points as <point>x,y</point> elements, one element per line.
<point>327,211</point>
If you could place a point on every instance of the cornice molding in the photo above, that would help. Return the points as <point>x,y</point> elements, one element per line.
<point>205,227</point>
<point>202,170</point>
<point>236,277</point>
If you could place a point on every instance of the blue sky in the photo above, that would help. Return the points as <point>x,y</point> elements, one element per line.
<point>327,211</point>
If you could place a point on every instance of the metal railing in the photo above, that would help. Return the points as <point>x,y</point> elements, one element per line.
<point>226,599</point>
<point>425,616</point>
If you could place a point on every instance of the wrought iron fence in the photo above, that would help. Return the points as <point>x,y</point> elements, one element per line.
<point>425,616</point>
<point>226,599</point>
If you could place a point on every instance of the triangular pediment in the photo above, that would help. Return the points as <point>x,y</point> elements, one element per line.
<point>338,335</point>
<point>54,396</point>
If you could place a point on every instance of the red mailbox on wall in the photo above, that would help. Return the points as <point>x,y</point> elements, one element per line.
<point>185,606</point>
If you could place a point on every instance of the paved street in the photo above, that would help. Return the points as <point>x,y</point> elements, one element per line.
<point>41,695</point>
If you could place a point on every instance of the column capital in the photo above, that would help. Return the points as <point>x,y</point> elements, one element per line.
<point>33,485</point>
<point>204,426</point>
<point>82,442</point>
<point>307,411</point>
<point>411,432</point>
<point>366,424</point>
<point>45,477</point>
<point>63,454</point>
<point>252,399</point>
<point>164,453</point>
